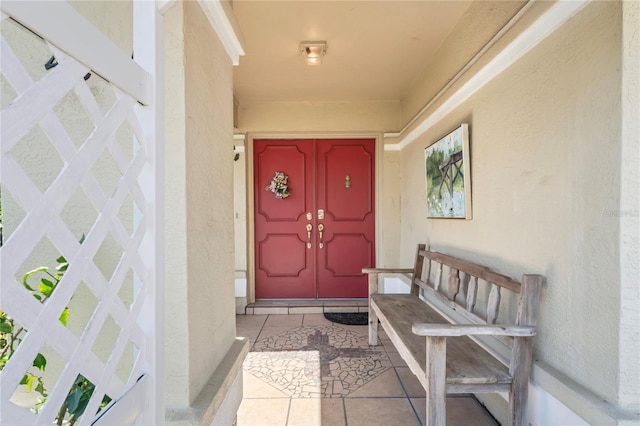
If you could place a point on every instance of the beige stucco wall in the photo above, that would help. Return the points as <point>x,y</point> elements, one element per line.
<point>176,278</point>
<point>478,25</point>
<point>545,152</point>
<point>318,116</point>
<point>629,212</point>
<point>209,103</point>
<point>200,323</point>
<point>240,209</point>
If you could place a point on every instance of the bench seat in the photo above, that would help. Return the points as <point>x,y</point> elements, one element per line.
<point>467,362</point>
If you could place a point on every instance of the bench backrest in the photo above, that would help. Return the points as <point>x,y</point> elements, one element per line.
<point>476,278</point>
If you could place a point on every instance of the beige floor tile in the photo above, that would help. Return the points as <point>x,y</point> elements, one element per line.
<point>271,303</point>
<point>380,412</point>
<point>461,411</point>
<point>263,412</point>
<point>345,302</point>
<point>250,320</point>
<point>315,319</point>
<point>253,387</point>
<point>308,302</point>
<point>266,310</point>
<point>396,359</point>
<point>385,385</point>
<point>410,382</point>
<point>382,335</point>
<point>388,346</point>
<point>305,310</point>
<point>248,332</point>
<point>316,412</point>
<point>284,321</point>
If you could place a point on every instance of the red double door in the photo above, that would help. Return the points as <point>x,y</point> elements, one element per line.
<point>314,242</point>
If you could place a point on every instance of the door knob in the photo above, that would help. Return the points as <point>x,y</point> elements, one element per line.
<point>320,229</point>
<point>309,228</point>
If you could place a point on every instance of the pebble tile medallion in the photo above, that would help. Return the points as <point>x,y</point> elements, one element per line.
<point>320,361</point>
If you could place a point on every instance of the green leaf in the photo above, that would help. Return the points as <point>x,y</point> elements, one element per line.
<point>73,399</point>
<point>5,327</point>
<point>40,362</point>
<point>61,259</point>
<point>37,296</point>
<point>28,274</point>
<point>41,390</point>
<point>45,287</point>
<point>24,380</point>
<point>64,316</point>
<point>29,383</point>
<point>81,239</point>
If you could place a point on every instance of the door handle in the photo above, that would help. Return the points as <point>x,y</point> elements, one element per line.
<point>309,228</point>
<point>320,229</point>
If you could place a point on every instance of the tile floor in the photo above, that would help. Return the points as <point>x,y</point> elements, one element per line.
<point>304,370</point>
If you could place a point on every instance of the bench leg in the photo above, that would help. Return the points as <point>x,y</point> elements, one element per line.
<point>522,357</point>
<point>437,381</point>
<point>373,317</point>
<point>373,326</point>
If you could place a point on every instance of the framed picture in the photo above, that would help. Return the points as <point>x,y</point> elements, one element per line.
<point>448,176</point>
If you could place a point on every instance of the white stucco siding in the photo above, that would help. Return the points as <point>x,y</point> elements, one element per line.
<point>545,147</point>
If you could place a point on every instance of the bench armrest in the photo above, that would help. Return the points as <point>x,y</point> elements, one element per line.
<point>471,329</point>
<point>386,271</point>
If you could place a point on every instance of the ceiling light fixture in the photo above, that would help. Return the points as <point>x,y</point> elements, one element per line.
<point>313,51</point>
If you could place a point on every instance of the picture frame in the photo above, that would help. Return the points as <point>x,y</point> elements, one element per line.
<point>448,176</point>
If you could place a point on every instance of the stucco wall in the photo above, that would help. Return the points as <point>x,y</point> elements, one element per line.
<point>545,149</point>
<point>176,279</point>
<point>629,212</point>
<point>200,308</point>
<point>209,178</point>
<point>318,116</point>
<point>479,24</point>
<point>240,207</point>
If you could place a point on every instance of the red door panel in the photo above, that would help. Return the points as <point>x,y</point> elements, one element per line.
<point>349,220</point>
<point>285,267</point>
<point>335,176</point>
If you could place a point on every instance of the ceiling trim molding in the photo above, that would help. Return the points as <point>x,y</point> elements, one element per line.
<point>221,18</point>
<point>549,22</point>
<point>165,5</point>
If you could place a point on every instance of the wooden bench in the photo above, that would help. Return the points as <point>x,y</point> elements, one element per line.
<point>435,329</point>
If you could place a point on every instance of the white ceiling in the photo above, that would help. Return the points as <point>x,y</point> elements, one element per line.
<point>376,49</point>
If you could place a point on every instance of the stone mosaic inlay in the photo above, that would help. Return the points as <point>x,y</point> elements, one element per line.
<point>316,361</point>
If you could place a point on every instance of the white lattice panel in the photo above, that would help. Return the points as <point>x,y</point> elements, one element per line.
<point>113,237</point>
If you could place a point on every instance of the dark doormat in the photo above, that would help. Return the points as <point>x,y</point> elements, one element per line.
<point>348,318</point>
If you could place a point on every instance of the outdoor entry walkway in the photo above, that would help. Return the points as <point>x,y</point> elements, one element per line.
<point>304,370</point>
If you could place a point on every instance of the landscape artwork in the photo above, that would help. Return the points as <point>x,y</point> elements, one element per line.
<point>448,176</point>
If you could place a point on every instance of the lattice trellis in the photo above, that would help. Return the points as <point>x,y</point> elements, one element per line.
<point>34,107</point>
